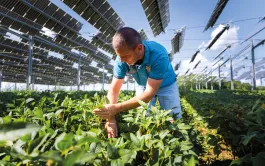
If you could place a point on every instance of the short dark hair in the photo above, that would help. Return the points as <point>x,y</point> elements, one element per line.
<point>127,37</point>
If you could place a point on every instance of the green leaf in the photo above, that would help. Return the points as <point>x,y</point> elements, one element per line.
<point>247,138</point>
<point>36,144</point>
<point>52,155</point>
<point>182,126</point>
<point>26,138</point>
<point>95,147</point>
<point>135,140</point>
<point>73,157</point>
<point>236,162</point>
<point>259,159</point>
<point>191,161</point>
<point>185,145</point>
<point>29,100</point>
<point>112,152</point>
<point>178,159</point>
<point>38,113</point>
<point>12,131</point>
<point>143,104</point>
<point>18,147</point>
<point>64,141</point>
<point>163,134</point>
<point>87,158</point>
<point>7,119</point>
<point>127,155</point>
<point>260,116</point>
<point>256,104</point>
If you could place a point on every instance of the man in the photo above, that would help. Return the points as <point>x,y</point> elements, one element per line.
<point>149,64</point>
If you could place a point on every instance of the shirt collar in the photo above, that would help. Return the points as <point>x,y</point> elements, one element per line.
<point>146,52</point>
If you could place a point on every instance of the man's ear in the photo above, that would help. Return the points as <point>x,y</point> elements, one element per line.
<point>140,47</point>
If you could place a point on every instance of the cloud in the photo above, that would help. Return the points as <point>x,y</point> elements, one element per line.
<point>185,65</point>
<point>230,36</point>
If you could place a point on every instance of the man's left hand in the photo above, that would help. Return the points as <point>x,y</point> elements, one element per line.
<point>109,110</point>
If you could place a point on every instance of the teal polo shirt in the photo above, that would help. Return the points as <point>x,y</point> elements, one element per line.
<point>155,65</point>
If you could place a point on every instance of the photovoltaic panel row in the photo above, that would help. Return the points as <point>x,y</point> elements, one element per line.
<point>98,13</point>
<point>44,55</point>
<point>48,76</point>
<point>46,14</point>
<point>157,13</point>
<point>216,13</point>
<point>8,17</point>
<point>41,55</point>
<point>103,42</point>
<point>75,41</point>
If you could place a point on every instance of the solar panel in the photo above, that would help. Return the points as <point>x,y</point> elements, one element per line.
<point>143,35</point>
<point>187,71</point>
<point>178,40</point>
<point>218,61</point>
<point>98,13</point>
<point>177,66</point>
<point>194,56</point>
<point>196,65</point>
<point>157,13</point>
<point>217,37</point>
<point>216,13</point>
<point>103,42</point>
<point>229,46</point>
<point>41,12</point>
<point>244,75</point>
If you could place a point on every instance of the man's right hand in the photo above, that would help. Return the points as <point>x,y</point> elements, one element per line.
<point>111,127</point>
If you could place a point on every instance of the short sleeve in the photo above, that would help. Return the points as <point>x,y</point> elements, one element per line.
<point>120,69</point>
<point>159,67</point>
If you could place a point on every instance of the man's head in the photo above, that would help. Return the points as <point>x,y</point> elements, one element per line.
<point>127,44</point>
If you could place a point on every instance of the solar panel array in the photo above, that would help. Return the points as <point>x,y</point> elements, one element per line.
<point>102,16</point>
<point>157,13</point>
<point>30,17</point>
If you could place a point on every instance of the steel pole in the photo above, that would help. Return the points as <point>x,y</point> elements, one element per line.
<point>30,53</point>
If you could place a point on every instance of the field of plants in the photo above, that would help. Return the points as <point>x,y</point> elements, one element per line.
<point>59,128</point>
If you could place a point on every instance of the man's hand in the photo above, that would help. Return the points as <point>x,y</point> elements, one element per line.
<point>111,128</point>
<point>108,111</point>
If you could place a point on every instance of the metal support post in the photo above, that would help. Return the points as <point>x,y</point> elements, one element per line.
<point>127,84</point>
<point>33,82</point>
<point>103,77</point>
<point>211,79</point>
<point>30,53</point>
<point>55,84</point>
<point>1,75</point>
<point>253,66</point>
<point>79,71</point>
<point>231,73</point>
<point>219,76</point>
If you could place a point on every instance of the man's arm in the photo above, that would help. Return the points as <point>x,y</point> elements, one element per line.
<point>113,95</point>
<point>114,90</point>
<point>152,87</point>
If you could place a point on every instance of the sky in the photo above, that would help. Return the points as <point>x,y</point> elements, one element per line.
<point>243,16</point>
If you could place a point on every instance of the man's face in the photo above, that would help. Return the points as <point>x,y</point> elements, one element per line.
<point>130,56</point>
